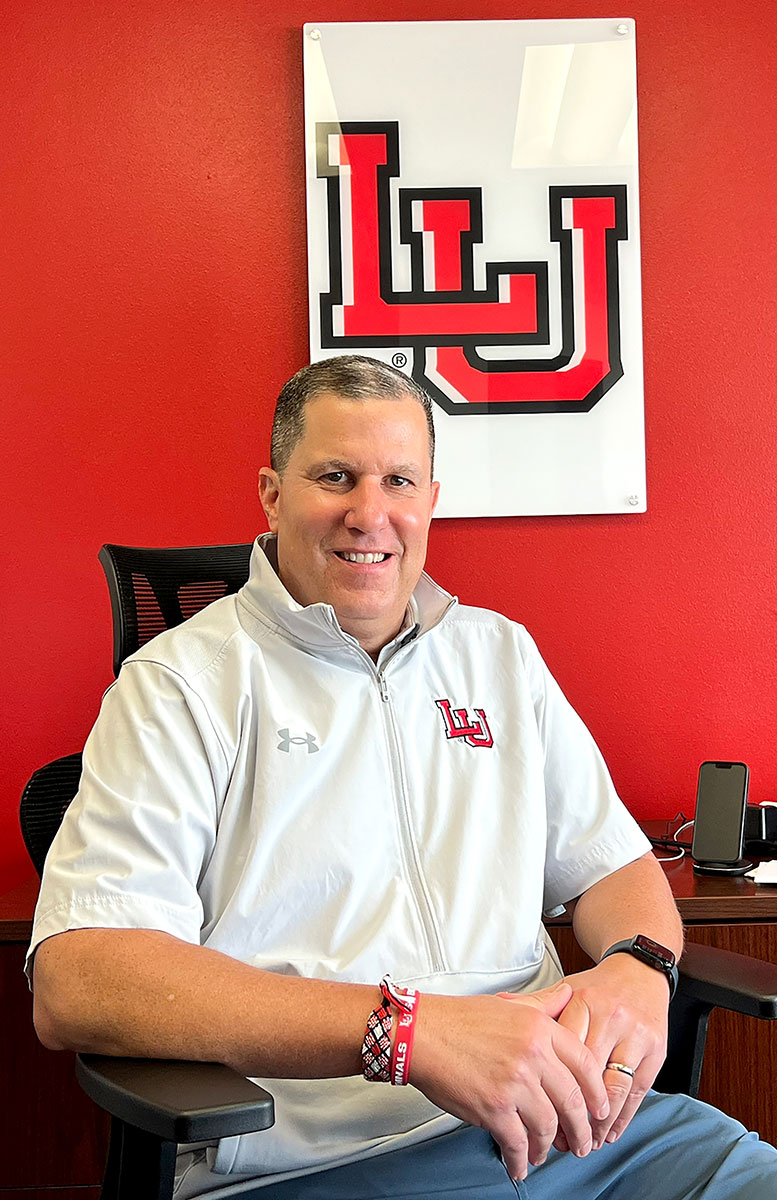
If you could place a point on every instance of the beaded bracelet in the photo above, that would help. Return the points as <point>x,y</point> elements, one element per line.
<point>381,1063</point>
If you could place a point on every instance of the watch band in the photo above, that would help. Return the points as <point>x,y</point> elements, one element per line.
<point>653,954</point>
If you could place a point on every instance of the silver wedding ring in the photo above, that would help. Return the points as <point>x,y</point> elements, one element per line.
<point>613,1066</point>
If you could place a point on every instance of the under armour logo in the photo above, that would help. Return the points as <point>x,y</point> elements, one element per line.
<point>287,741</point>
<point>458,724</point>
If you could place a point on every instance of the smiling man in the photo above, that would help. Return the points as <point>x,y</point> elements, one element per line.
<point>341,773</point>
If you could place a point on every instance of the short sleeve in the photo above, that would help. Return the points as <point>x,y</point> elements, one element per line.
<point>139,834</point>
<point>590,832</point>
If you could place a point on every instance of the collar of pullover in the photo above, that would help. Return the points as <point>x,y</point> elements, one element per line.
<point>265,599</point>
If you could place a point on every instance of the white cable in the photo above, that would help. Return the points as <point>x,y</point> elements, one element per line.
<point>669,858</point>
<point>681,852</point>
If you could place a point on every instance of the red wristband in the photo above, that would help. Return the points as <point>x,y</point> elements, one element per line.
<point>406,1000</point>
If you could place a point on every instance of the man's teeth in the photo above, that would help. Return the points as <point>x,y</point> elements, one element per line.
<point>349,556</point>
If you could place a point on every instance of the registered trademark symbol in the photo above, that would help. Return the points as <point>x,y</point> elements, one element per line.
<point>399,360</point>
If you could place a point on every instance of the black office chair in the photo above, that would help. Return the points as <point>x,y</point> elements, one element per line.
<point>153,589</point>
<point>156,1104</point>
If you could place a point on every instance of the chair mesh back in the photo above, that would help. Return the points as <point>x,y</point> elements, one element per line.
<point>43,804</point>
<point>154,589</point>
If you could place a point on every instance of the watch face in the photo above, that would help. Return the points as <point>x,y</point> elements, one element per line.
<point>650,949</point>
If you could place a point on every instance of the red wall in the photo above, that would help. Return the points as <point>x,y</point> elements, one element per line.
<point>154,299</point>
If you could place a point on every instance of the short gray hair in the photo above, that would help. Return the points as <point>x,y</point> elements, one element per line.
<point>350,376</point>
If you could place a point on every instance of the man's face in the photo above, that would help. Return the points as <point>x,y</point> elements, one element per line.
<point>352,511</point>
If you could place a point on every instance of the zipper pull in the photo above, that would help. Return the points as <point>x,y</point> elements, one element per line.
<point>384,692</point>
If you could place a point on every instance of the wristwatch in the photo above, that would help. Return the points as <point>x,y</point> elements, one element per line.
<point>650,953</point>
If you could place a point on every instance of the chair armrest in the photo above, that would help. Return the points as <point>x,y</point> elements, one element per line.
<point>723,979</point>
<point>176,1101</point>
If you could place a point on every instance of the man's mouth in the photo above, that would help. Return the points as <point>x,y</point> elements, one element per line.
<point>356,557</point>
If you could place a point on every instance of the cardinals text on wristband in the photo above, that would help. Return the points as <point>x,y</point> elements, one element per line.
<point>406,1001</point>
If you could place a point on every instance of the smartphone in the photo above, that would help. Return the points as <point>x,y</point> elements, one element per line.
<point>721,804</point>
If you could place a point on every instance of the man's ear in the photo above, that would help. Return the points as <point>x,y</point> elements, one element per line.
<point>435,495</point>
<point>269,495</point>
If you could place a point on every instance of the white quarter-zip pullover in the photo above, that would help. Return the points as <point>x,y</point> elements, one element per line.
<point>255,783</point>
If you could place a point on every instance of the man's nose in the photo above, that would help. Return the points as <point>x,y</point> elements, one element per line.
<point>367,509</point>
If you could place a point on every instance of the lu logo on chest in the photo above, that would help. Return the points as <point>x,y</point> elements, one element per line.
<point>459,724</point>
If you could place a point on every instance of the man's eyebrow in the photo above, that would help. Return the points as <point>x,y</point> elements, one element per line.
<point>329,464</point>
<point>409,469</point>
<point>339,464</point>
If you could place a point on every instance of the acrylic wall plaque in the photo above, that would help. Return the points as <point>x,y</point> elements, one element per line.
<point>473,219</point>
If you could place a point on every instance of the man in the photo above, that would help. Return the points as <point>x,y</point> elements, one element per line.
<point>338,773</point>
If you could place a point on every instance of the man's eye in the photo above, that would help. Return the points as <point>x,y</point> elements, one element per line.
<point>334,477</point>
<point>399,481</point>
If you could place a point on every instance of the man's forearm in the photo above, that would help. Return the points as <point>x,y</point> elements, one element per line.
<point>635,899</point>
<point>143,993</point>
<point>507,1065</point>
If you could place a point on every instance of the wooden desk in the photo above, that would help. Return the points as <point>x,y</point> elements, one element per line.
<point>740,1066</point>
<point>52,1136</point>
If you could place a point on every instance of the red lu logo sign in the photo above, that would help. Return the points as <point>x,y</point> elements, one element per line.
<point>445,324</point>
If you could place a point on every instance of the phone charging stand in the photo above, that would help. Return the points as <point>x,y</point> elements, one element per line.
<point>718,868</point>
